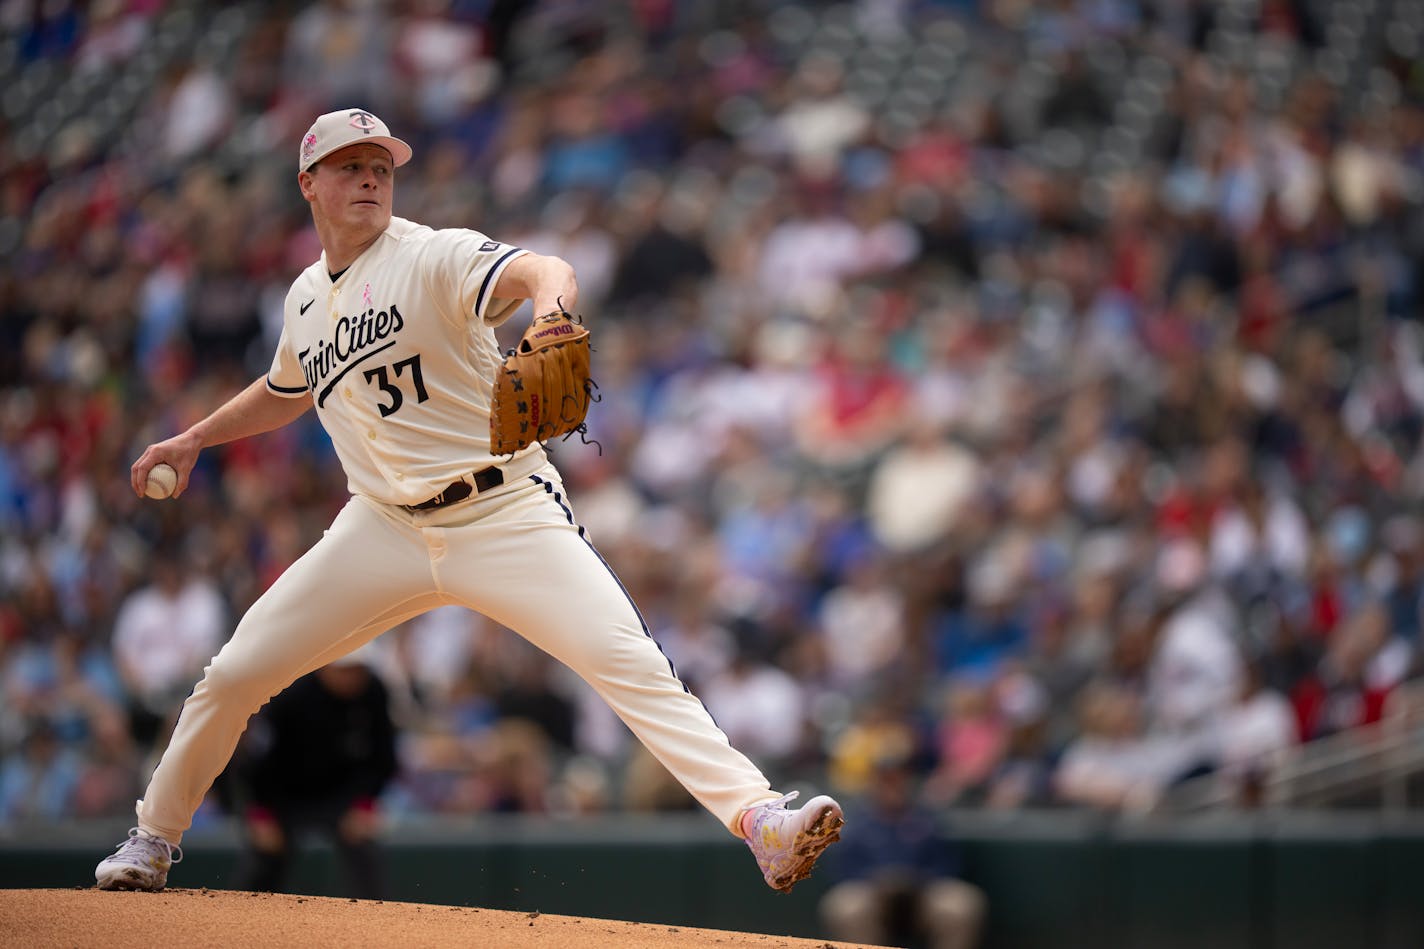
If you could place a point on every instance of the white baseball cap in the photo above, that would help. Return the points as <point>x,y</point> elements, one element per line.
<point>348,127</point>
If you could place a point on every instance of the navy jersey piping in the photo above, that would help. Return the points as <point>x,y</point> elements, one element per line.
<point>480,297</point>
<point>289,391</point>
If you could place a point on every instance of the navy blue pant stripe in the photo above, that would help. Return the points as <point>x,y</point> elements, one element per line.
<point>549,489</point>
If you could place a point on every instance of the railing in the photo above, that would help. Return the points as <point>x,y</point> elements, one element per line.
<point>1378,760</point>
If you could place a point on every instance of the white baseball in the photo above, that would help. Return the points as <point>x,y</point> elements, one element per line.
<point>162,479</point>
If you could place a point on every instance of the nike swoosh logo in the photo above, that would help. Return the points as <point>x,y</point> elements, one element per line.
<point>305,305</point>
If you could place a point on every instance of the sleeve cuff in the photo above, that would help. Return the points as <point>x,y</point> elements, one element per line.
<point>285,391</point>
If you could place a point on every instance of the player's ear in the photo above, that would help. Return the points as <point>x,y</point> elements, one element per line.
<point>304,182</point>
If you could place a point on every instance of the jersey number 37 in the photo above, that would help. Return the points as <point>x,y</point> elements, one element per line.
<point>381,377</point>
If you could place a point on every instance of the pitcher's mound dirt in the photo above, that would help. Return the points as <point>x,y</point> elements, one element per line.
<point>50,919</point>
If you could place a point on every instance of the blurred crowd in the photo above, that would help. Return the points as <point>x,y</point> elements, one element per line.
<point>921,436</point>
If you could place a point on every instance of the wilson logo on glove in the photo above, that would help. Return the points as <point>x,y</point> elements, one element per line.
<point>550,366</point>
<point>566,329</point>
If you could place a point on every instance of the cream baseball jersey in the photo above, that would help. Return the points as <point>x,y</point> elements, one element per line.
<point>399,353</point>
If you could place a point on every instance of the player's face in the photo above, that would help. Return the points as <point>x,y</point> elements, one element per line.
<point>352,188</point>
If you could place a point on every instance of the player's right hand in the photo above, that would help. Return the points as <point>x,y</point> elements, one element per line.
<point>180,451</point>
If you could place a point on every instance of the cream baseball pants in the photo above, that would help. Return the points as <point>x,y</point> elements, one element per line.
<point>514,554</point>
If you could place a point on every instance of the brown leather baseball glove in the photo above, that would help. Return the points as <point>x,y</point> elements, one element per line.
<point>543,387</point>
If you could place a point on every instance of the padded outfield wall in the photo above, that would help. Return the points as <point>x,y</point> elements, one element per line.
<point>1053,880</point>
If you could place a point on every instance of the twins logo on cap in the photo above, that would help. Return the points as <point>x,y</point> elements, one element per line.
<point>344,127</point>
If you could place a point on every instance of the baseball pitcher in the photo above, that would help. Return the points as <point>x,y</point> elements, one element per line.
<point>390,337</point>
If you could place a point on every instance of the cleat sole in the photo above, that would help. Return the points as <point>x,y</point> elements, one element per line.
<point>809,846</point>
<point>130,880</point>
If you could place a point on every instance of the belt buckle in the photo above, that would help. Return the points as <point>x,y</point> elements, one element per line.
<point>487,478</point>
<point>452,494</point>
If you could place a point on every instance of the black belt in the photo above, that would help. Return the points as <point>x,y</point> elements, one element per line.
<point>484,479</point>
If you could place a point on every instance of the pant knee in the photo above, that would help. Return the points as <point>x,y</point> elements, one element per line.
<point>237,684</point>
<point>612,658</point>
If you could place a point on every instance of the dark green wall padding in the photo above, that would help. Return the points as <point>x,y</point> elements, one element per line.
<point>1053,880</point>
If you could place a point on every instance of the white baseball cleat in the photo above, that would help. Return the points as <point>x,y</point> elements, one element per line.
<point>139,863</point>
<point>786,843</point>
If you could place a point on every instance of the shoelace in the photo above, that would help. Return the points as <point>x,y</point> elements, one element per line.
<point>784,799</point>
<point>138,839</point>
<point>768,808</point>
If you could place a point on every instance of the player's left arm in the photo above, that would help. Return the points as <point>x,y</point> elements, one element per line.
<point>548,281</point>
